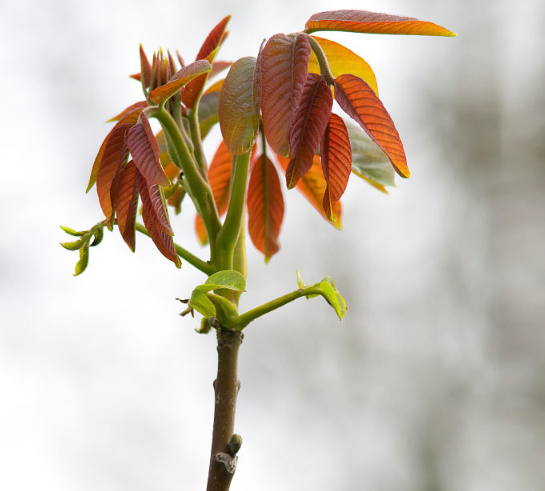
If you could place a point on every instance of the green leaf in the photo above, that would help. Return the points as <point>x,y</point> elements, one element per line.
<point>74,246</point>
<point>202,304</point>
<point>228,279</point>
<point>72,232</point>
<point>83,260</point>
<point>300,282</point>
<point>333,297</point>
<point>99,235</point>
<point>368,159</point>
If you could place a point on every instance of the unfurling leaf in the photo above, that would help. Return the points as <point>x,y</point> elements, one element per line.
<point>202,304</point>
<point>207,52</point>
<point>368,160</point>
<point>219,176</point>
<point>265,207</point>
<point>359,101</point>
<point>74,246</point>
<point>126,203</point>
<point>336,162</point>
<point>180,79</point>
<point>371,22</point>
<point>342,60</point>
<point>72,232</point>
<point>81,265</point>
<point>333,297</point>
<point>312,186</point>
<point>300,282</point>
<point>308,126</point>
<point>284,68</point>
<point>145,152</point>
<point>98,233</point>
<point>145,68</point>
<point>239,106</point>
<point>227,279</point>
<point>155,217</point>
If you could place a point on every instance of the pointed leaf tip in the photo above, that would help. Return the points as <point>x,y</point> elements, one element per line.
<point>360,102</point>
<point>372,22</point>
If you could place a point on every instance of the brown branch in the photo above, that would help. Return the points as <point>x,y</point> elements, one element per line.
<point>223,457</point>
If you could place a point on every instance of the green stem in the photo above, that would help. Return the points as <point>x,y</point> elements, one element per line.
<point>322,60</point>
<point>228,235</point>
<point>244,319</point>
<point>196,137</point>
<point>201,265</point>
<point>196,184</point>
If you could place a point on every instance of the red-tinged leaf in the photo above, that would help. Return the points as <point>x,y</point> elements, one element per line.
<point>239,106</point>
<point>176,198</point>
<point>308,126</point>
<point>218,67</point>
<point>372,22</point>
<point>136,76</point>
<point>284,69</point>
<point>153,221</point>
<point>145,68</point>
<point>368,161</point>
<point>265,207</point>
<point>145,152</point>
<point>336,162</point>
<point>114,156</point>
<point>129,118</point>
<point>208,52</point>
<point>342,60</point>
<point>131,108</point>
<point>359,101</point>
<point>179,80</point>
<point>125,198</point>
<point>214,39</point>
<point>312,186</point>
<point>219,176</point>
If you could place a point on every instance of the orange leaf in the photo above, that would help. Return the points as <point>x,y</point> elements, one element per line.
<point>219,66</point>
<point>239,106</point>
<point>312,186</point>
<point>219,176</point>
<point>132,107</point>
<point>208,51</point>
<point>284,68</point>
<point>342,60</point>
<point>372,22</point>
<point>182,77</point>
<point>265,207</point>
<point>145,152</point>
<point>336,162</point>
<point>125,199</point>
<point>359,101</point>
<point>308,126</point>
<point>154,217</point>
<point>130,118</point>
<point>214,39</point>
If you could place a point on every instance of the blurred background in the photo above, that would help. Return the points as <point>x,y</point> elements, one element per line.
<point>435,379</point>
